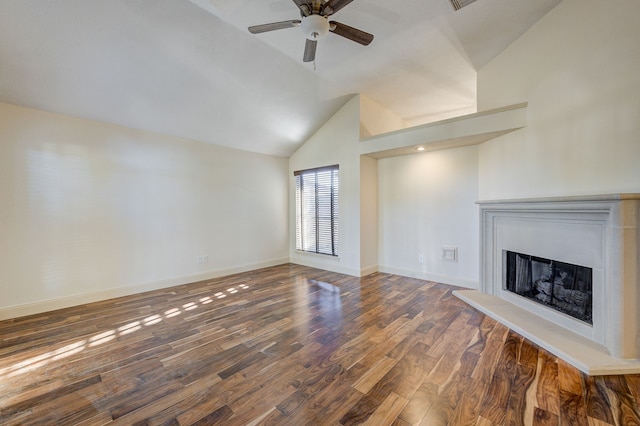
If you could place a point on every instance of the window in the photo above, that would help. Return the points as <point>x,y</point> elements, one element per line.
<point>317,210</point>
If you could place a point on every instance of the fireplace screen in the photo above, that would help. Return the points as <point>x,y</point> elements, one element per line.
<point>562,286</point>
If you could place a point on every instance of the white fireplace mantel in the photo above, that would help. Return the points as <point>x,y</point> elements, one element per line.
<point>601,232</point>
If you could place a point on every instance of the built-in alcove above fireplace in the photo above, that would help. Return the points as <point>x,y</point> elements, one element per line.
<point>565,273</point>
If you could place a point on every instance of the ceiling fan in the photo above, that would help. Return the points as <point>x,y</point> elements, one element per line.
<point>315,24</point>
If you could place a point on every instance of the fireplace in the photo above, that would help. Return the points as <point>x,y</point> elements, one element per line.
<point>564,287</point>
<point>565,273</point>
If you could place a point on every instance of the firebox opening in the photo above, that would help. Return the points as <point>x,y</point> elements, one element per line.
<point>565,287</point>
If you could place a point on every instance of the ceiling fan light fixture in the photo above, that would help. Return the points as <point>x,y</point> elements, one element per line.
<point>315,27</point>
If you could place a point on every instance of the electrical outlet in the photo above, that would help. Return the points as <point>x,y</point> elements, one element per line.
<point>421,258</point>
<point>450,254</point>
<point>203,259</point>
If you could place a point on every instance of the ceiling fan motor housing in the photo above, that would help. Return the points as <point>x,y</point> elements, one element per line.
<point>315,27</point>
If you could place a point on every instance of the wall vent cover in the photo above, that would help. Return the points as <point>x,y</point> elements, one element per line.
<point>459,4</point>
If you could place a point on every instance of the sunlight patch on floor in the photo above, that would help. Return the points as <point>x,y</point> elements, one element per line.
<point>103,337</point>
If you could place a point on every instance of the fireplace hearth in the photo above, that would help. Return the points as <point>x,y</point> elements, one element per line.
<point>565,273</point>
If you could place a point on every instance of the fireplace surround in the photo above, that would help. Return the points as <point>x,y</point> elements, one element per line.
<point>601,233</point>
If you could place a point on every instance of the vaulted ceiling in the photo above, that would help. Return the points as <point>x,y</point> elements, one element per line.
<point>191,69</point>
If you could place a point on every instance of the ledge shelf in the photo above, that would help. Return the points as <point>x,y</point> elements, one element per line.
<point>472,129</point>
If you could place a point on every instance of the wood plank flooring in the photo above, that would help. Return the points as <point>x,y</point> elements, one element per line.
<point>291,345</point>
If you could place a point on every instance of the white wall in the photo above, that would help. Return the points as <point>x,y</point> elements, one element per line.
<point>393,209</point>
<point>368,215</point>
<point>427,201</point>
<point>92,210</point>
<point>376,119</point>
<point>336,142</point>
<point>579,70</point>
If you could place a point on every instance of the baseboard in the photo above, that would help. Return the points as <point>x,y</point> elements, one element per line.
<point>368,270</point>
<point>439,278</point>
<point>81,299</point>
<point>328,263</point>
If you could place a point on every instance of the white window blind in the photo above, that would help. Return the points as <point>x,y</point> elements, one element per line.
<point>317,210</point>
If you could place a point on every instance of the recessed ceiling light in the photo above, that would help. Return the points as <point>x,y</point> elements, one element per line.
<point>420,148</point>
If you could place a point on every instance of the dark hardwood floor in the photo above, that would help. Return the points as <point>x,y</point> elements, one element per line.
<point>293,345</point>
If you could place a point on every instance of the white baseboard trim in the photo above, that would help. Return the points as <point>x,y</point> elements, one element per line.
<point>439,278</point>
<point>333,265</point>
<point>110,293</point>
<point>368,270</point>
<point>329,264</point>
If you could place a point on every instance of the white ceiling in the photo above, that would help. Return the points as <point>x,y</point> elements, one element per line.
<point>191,69</point>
